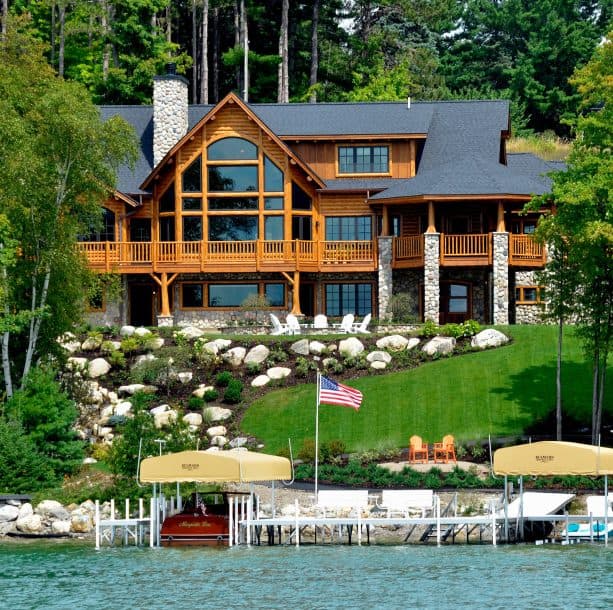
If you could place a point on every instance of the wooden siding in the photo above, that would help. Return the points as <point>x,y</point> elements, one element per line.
<point>344,204</point>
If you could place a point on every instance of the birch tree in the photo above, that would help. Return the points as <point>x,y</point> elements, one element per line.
<point>57,164</point>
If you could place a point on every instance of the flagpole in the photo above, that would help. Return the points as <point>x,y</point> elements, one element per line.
<point>317,433</point>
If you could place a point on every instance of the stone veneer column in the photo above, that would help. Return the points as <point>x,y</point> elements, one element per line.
<point>170,120</point>
<point>385,275</point>
<point>500,290</point>
<point>432,289</point>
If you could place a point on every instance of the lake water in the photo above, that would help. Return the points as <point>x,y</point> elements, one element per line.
<point>75,576</point>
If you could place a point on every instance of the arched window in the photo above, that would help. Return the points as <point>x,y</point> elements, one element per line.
<point>232,149</point>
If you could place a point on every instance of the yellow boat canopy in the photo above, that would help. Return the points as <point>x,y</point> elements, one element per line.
<point>214,467</point>
<point>554,458</point>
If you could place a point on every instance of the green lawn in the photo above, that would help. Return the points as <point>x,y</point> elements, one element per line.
<point>498,392</point>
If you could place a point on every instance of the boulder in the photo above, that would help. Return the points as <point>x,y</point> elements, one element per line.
<point>379,356</point>
<point>490,337</point>
<point>219,441</point>
<point>378,365</point>
<point>81,523</point>
<point>214,414</point>
<point>212,449</point>
<point>130,389</point>
<point>51,509</point>
<point>193,419</point>
<point>123,408</point>
<point>110,346</point>
<point>90,460</point>
<point>8,513</point>
<point>98,367</point>
<point>25,510</point>
<point>394,343</point>
<point>141,331</point>
<point>30,524</point>
<point>300,347</point>
<point>155,343</point>
<point>235,356</point>
<point>201,390</point>
<point>210,347</point>
<point>185,376</point>
<point>127,331</point>
<point>413,343</point>
<point>76,364</point>
<point>165,418</point>
<point>91,343</point>
<point>257,354</point>
<point>143,358</point>
<point>317,347</point>
<point>260,381</point>
<point>239,441</point>
<point>69,342</point>
<point>351,347</point>
<point>278,372</point>
<point>216,431</point>
<point>60,527</point>
<point>222,344</point>
<point>191,332</point>
<point>439,346</point>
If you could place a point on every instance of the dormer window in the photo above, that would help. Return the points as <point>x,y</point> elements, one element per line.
<point>363,160</point>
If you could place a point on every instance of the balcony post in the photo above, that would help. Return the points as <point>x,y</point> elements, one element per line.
<point>501,227</point>
<point>385,222</point>
<point>431,218</point>
<point>432,290</point>
<point>385,276</point>
<point>500,268</point>
<point>164,282</point>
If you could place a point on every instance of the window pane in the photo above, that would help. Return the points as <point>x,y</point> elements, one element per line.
<point>273,227</point>
<point>230,295</point>
<point>333,229</point>
<point>363,160</point>
<point>458,290</point>
<point>342,299</point>
<point>239,178</point>
<point>301,227</point>
<point>192,177</point>
<point>192,228</point>
<point>348,228</point>
<point>530,294</point>
<point>273,177</point>
<point>191,204</point>
<point>273,203</point>
<point>458,305</point>
<point>363,228</point>
<point>167,201</point>
<point>275,293</point>
<point>333,303</point>
<point>167,228</point>
<point>193,295</point>
<point>232,148</point>
<point>300,200</point>
<point>233,203</point>
<point>233,228</point>
<point>364,300</point>
<point>140,229</point>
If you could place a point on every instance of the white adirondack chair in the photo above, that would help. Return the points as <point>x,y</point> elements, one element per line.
<point>277,327</point>
<point>320,322</point>
<point>346,323</point>
<point>292,324</point>
<point>362,327</point>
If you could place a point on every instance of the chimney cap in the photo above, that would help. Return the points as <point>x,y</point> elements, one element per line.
<point>171,68</point>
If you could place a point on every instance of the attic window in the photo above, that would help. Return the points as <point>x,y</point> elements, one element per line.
<point>192,177</point>
<point>167,200</point>
<point>363,160</point>
<point>232,149</point>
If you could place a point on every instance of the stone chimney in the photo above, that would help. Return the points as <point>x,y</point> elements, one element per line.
<point>169,111</point>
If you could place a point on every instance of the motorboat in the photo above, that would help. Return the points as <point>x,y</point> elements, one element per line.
<point>599,526</point>
<point>204,520</point>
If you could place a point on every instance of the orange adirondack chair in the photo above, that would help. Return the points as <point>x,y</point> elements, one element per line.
<point>445,451</point>
<point>418,450</point>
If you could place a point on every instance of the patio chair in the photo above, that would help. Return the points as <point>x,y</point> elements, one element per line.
<point>292,324</point>
<point>418,450</point>
<point>277,327</point>
<point>320,322</point>
<point>444,451</point>
<point>362,326</point>
<point>346,324</point>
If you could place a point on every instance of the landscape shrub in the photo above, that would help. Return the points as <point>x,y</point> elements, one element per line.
<point>233,392</point>
<point>223,379</point>
<point>306,453</point>
<point>400,307</point>
<point>253,368</point>
<point>304,366</point>
<point>429,329</point>
<point>210,395</point>
<point>117,359</point>
<point>195,403</point>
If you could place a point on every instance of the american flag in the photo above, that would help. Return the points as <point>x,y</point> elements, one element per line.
<point>333,393</point>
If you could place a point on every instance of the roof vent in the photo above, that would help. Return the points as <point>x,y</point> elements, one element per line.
<point>409,103</point>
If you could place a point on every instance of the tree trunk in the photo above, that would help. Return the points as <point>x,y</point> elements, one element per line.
<point>283,81</point>
<point>35,324</point>
<point>216,54</point>
<point>168,24</point>
<point>194,53</point>
<point>595,395</point>
<point>53,28</point>
<point>314,52</point>
<point>60,65</point>
<point>106,51</point>
<point>237,40</point>
<point>559,381</point>
<point>245,41</point>
<point>6,337</point>
<point>5,14</point>
<point>204,55</point>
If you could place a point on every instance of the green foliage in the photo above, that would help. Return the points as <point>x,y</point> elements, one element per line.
<point>469,328</point>
<point>401,307</point>
<point>130,345</point>
<point>307,450</point>
<point>211,395</point>
<point>223,379</point>
<point>22,468</point>
<point>123,455</point>
<point>255,304</point>
<point>234,391</point>
<point>304,366</point>
<point>430,329</point>
<point>47,416</point>
<point>117,359</point>
<point>195,403</point>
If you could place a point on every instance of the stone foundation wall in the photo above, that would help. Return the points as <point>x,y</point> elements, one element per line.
<point>432,290</point>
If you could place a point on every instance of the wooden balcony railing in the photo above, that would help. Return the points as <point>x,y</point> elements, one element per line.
<point>408,251</point>
<point>525,251</point>
<point>472,249</point>
<point>196,256</point>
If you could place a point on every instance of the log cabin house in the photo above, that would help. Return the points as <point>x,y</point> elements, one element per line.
<point>321,208</point>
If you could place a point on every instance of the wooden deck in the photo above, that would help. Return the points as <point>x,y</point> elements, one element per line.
<point>227,256</point>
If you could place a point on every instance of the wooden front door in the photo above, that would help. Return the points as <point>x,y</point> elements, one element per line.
<point>456,302</point>
<point>141,304</point>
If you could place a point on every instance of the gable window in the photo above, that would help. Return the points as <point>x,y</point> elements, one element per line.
<point>192,177</point>
<point>232,149</point>
<point>167,200</point>
<point>273,177</point>
<point>348,228</point>
<point>233,228</point>
<point>363,160</point>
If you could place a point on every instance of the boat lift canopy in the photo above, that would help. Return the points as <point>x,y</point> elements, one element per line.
<point>214,467</point>
<point>548,458</point>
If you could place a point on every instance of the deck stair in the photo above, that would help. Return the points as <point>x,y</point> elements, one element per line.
<point>430,532</point>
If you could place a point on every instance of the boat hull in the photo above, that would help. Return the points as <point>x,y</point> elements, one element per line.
<point>193,529</point>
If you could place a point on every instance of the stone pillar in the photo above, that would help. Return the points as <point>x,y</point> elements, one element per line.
<point>385,275</point>
<point>432,288</point>
<point>170,120</point>
<point>500,276</point>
